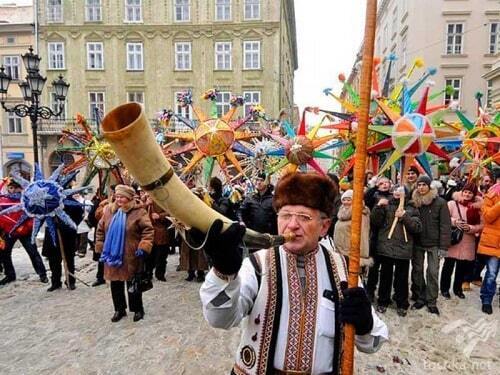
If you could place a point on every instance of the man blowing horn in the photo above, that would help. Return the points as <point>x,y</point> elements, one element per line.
<point>295,296</point>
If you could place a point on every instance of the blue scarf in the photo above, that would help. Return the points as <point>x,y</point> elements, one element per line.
<point>114,244</point>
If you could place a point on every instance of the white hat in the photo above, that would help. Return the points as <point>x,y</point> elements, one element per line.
<point>347,194</point>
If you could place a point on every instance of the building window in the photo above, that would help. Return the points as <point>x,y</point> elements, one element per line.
<point>12,66</point>
<point>222,10</point>
<point>394,25</point>
<point>15,123</point>
<point>454,38</point>
<point>54,11</point>
<point>404,50</point>
<point>223,55</point>
<point>56,55</point>
<point>182,111</point>
<point>456,83</point>
<point>133,12</point>
<point>252,10</point>
<point>96,100</point>
<point>11,40</point>
<point>93,10</point>
<point>223,102</point>
<point>385,38</point>
<point>494,45</point>
<point>251,55</point>
<point>183,56</point>
<point>182,10</point>
<point>251,98</point>
<point>95,55</point>
<point>134,56</point>
<point>489,91</point>
<point>54,105</point>
<point>135,96</point>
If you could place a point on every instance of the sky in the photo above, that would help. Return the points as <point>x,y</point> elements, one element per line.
<point>329,34</point>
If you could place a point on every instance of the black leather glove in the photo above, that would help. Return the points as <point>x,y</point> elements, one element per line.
<point>224,248</point>
<point>356,309</point>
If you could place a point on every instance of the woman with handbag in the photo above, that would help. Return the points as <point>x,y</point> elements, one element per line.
<point>124,235</point>
<point>466,221</point>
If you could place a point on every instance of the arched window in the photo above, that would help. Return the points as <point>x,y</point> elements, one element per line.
<point>19,166</point>
<point>56,158</point>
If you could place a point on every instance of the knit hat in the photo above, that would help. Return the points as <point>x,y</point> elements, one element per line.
<point>125,190</point>
<point>307,189</point>
<point>347,194</point>
<point>414,170</point>
<point>471,187</point>
<point>425,179</point>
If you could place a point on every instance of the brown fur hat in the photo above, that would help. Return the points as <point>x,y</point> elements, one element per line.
<point>307,189</point>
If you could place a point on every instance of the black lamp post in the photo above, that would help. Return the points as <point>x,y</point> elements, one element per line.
<point>31,90</point>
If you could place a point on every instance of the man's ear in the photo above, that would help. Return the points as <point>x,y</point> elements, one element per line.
<point>325,225</point>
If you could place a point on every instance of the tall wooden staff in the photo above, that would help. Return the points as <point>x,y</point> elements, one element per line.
<point>359,172</point>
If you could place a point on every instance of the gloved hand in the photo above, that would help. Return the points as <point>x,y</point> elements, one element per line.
<point>356,309</point>
<point>139,253</point>
<point>224,248</point>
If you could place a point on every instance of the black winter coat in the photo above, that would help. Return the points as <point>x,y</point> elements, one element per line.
<point>436,222</point>
<point>257,212</point>
<point>68,234</point>
<point>381,219</point>
<point>224,206</point>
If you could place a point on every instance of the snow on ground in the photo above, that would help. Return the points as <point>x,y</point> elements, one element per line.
<point>69,332</point>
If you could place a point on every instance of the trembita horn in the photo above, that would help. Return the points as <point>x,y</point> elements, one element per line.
<point>127,130</point>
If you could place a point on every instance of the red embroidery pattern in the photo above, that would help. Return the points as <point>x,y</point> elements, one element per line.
<point>302,316</point>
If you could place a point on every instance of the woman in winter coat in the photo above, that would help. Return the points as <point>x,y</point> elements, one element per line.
<point>489,243</point>
<point>124,235</point>
<point>465,213</point>
<point>342,231</point>
<point>395,253</point>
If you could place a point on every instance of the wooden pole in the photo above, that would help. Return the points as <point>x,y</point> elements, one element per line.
<point>65,262</point>
<point>359,173</point>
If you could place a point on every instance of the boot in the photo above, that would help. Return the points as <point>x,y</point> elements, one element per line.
<point>200,276</point>
<point>487,309</point>
<point>54,287</point>
<point>138,315</point>
<point>190,276</point>
<point>118,316</point>
<point>7,280</point>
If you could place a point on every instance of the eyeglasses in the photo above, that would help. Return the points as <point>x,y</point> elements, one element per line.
<point>301,217</point>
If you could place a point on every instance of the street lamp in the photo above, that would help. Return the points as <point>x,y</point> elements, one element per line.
<point>31,90</point>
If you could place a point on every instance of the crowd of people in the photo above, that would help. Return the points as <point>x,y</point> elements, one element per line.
<point>406,231</point>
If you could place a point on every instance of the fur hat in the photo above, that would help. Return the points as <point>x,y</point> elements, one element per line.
<point>125,190</point>
<point>307,189</point>
<point>425,179</point>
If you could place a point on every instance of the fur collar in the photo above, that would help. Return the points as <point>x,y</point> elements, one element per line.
<point>424,200</point>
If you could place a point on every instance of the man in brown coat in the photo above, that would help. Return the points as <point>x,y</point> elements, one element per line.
<point>138,240</point>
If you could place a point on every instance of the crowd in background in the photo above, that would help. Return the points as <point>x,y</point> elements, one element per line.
<point>407,231</point>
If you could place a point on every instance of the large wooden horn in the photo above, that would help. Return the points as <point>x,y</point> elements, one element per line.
<point>127,130</point>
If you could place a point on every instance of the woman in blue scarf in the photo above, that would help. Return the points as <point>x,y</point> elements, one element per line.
<point>124,235</point>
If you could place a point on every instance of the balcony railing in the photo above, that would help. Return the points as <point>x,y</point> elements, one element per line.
<point>56,126</point>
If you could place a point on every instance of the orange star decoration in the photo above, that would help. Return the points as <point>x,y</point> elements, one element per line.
<point>214,137</point>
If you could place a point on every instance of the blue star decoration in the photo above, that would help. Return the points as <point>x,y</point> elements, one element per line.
<point>43,200</point>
